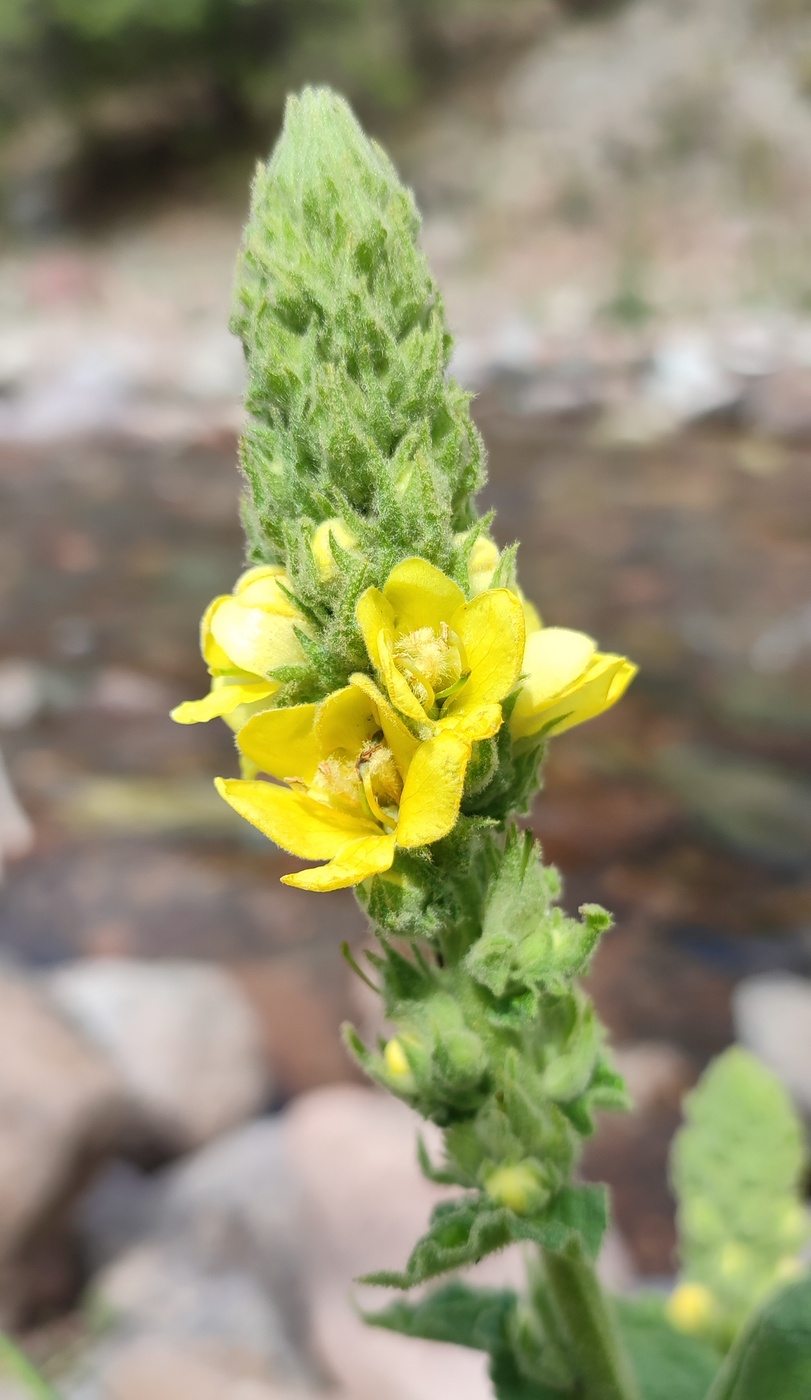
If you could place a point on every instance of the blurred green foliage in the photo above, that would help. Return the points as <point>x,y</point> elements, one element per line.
<point>243,54</point>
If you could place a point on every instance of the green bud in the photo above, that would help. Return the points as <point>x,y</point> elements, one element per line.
<point>519,1188</point>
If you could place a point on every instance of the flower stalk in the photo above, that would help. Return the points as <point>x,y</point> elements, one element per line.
<point>392,692</point>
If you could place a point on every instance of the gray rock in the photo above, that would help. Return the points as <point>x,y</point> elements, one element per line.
<point>16,831</point>
<point>181,1036</point>
<point>62,1106</point>
<point>772,1015</point>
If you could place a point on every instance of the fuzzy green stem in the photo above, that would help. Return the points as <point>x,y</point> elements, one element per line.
<point>585,1320</point>
<point>16,1363</point>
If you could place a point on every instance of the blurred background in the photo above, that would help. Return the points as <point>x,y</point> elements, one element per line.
<point>615,201</point>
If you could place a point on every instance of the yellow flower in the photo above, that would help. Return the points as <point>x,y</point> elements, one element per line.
<point>482,564</point>
<point>691,1307</point>
<point>243,636</point>
<point>566,681</point>
<point>353,784</point>
<point>321,545</point>
<point>446,663</point>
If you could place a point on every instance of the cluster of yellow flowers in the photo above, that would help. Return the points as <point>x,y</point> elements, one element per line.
<point>381,763</point>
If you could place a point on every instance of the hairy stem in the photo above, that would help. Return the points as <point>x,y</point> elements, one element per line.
<point>588,1326</point>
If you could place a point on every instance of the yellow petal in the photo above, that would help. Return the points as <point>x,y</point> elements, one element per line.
<point>347,719</point>
<point>484,558</point>
<point>532,617</point>
<point>480,723</point>
<point>375,615</point>
<point>222,701</point>
<point>400,692</point>
<point>321,545</point>
<point>554,658</point>
<point>255,640</point>
<point>213,655</point>
<point>283,742</point>
<point>293,820</point>
<point>421,596</point>
<point>492,631</point>
<point>399,739</point>
<point>259,588</point>
<point>369,855</point>
<point>433,790</point>
<point>603,685</point>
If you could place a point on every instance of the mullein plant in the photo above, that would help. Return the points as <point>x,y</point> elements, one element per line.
<point>392,693</point>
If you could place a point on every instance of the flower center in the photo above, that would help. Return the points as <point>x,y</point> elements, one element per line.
<point>432,663</point>
<point>367,785</point>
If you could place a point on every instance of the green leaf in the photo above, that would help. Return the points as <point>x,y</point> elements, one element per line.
<point>465,1230</point>
<point>669,1365</point>
<point>479,1318</point>
<point>737,1168</point>
<point>470,1317</point>
<point>771,1359</point>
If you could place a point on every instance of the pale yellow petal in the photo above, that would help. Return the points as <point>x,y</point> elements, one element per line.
<point>400,692</point>
<point>399,739</point>
<point>554,659</point>
<point>356,861</point>
<point>255,640</point>
<point>347,719</point>
<point>293,820</point>
<point>283,742</point>
<point>605,682</point>
<point>484,558</point>
<point>432,793</point>
<point>492,631</point>
<point>222,701</point>
<point>482,722</point>
<point>213,655</point>
<point>321,545</point>
<point>421,596</point>
<point>375,615</point>
<point>256,574</point>
<point>259,588</point>
<point>532,618</point>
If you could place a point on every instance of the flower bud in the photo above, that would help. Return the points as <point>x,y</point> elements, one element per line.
<point>321,545</point>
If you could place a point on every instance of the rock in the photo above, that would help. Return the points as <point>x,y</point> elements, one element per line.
<point>752,806</point>
<point>20,693</point>
<point>154,1370</point>
<point>300,1014</point>
<point>686,378</point>
<point>158,1290</point>
<point>16,831</point>
<point>237,1202</point>
<point>772,1015</point>
<point>62,1107</point>
<point>180,1035</point>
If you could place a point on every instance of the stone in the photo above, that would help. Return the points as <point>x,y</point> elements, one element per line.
<point>772,1015</point>
<point>180,1035</point>
<point>300,1013</point>
<point>16,831</point>
<point>150,1369</point>
<point>20,693</point>
<point>162,1291</point>
<point>62,1108</point>
<point>686,378</point>
<point>237,1202</point>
